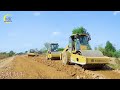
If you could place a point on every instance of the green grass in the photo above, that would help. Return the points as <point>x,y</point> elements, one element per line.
<point>2,56</point>
<point>116,65</point>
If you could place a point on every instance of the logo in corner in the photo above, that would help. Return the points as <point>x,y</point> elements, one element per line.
<point>7,18</point>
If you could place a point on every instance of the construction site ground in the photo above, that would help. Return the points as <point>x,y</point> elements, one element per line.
<point>24,67</point>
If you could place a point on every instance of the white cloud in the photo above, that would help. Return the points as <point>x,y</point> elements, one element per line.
<point>36,13</point>
<point>56,33</point>
<point>116,12</point>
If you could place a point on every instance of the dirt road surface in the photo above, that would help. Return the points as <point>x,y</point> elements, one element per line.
<point>23,67</point>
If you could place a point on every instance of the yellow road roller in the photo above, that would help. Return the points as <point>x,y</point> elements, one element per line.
<point>77,52</point>
<point>53,52</point>
<point>32,53</point>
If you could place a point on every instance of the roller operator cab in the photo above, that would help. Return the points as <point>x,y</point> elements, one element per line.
<point>78,52</point>
<point>53,52</point>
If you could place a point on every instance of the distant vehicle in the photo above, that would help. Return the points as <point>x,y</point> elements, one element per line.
<point>53,52</point>
<point>32,53</point>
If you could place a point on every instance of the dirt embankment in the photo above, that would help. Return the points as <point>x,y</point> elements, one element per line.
<point>23,67</point>
<point>39,68</point>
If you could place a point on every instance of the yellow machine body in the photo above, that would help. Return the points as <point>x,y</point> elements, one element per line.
<point>32,53</point>
<point>80,54</point>
<point>53,52</point>
<point>79,59</point>
<point>54,55</point>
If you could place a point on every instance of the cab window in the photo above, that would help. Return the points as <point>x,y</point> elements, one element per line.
<point>54,47</point>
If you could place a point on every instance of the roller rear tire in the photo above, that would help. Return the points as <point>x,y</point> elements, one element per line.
<point>66,58</point>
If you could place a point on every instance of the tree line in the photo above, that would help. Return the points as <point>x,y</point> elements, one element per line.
<point>6,54</point>
<point>109,50</point>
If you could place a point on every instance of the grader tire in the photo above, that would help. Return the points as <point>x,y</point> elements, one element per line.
<point>66,58</point>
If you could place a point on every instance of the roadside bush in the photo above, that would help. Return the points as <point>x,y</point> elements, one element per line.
<point>109,50</point>
<point>60,49</point>
<point>109,53</point>
<point>3,55</point>
<point>11,53</point>
<point>117,54</point>
<point>100,48</point>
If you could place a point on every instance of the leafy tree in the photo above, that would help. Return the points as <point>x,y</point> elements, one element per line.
<point>95,48</point>
<point>109,49</point>
<point>43,50</point>
<point>89,47</point>
<point>20,53</point>
<point>82,30</point>
<point>47,45</point>
<point>79,30</point>
<point>117,54</point>
<point>36,50</point>
<point>60,49</point>
<point>100,48</point>
<point>40,52</point>
<point>26,51</point>
<point>3,55</point>
<point>11,53</point>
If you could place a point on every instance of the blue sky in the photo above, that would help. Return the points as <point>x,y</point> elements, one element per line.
<point>31,29</point>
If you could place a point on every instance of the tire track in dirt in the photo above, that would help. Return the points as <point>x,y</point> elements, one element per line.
<point>23,67</point>
<point>108,74</point>
<point>27,68</point>
<point>6,61</point>
<point>77,72</point>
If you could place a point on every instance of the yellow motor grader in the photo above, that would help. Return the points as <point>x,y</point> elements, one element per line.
<point>53,52</point>
<point>78,52</point>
